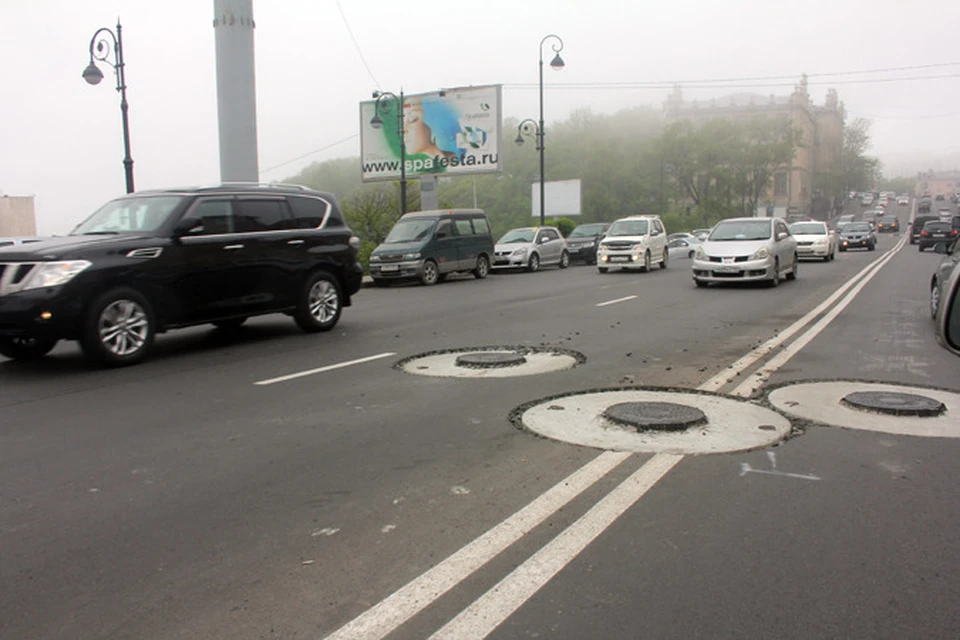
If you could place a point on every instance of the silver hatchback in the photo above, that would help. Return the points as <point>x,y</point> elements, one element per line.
<point>746,249</point>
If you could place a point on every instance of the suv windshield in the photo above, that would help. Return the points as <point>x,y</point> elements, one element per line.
<point>628,228</point>
<point>808,229</point>
<point>517,236</point>
<point>129,215</point>
<point>586,230</point>
<point>741,230</point>
<point>410,231</point>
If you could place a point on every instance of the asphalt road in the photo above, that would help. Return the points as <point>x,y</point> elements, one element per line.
<point>180,499</point>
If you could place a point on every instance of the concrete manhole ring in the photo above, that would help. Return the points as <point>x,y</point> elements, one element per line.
<point>579,418</point>
<point>491,362</point>
<point>828,403</point>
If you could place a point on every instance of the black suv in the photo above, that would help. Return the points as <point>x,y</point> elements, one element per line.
<point>916,226</point>
<point>158,260</point>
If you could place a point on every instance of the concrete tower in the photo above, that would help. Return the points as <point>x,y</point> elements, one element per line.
<point>236,90</point>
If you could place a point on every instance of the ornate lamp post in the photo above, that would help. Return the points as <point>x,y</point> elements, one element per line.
<point>556,64</point>
<point>376,122</point>
<point>100,50</point>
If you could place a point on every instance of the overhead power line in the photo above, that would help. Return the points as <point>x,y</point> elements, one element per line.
<point>309,153</point>
<point>355,44</point>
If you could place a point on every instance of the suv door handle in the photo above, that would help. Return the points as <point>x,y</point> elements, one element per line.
<point>295,242</point>
<point>233,247</point>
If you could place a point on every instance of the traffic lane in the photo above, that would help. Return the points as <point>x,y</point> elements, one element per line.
<point>209,513</point>
<point>867,551</point>
<point>855,543</point>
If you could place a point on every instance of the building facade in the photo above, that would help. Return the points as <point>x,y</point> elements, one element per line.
<point>17,216</point>
<point>821,128</point>
<point>938,183</point>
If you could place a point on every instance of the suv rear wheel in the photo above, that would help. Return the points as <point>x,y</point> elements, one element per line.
<point>665,259</point>
<point>119,328</point>
<point>25,347</point>
<point>646,262</point>
<point>483,268</point>
<point>320,303</point>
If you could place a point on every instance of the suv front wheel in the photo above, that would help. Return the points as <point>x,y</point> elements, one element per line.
<point>119,328</point>
<point>320,303</point>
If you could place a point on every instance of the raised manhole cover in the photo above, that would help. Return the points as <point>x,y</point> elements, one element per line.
<point>490,359</point>
<point>894,403</point>
<point>655,416</point>
<point>491,362</point>
<point>582,419</point>
<point>828,403</point>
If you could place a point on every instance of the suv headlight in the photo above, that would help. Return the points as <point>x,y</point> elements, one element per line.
<point>760,254</point>
<point>411,256</point>
<point>374,258</point>
<point>701,254</point>
<point>54,274</point>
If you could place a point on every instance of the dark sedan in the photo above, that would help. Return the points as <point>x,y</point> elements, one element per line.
<point>582,241</point>
<point>916,226</point>
<point>934,232</point>
<point>889,224</point>
<point>857,235</point>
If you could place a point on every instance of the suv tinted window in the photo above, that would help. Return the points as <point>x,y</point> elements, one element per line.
<point>261,215</point>
<point>464,228</point>
<point>216,216</point>
<point>308,213</point>
<point>480,225</point>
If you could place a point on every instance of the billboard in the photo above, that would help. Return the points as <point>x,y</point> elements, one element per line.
<point>562,196</point>
<point>451,132</point>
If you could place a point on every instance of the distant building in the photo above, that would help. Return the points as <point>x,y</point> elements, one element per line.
<point>822,128</point>
<point>17,216</point>
<point>938,182</point>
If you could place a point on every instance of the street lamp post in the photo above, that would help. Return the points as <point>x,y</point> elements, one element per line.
<point>376,122</point>
<point>100,50</point>
<point>556,64</point>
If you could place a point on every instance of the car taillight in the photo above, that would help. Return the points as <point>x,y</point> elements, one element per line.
<point>954,232</point>
<point>924,233</point>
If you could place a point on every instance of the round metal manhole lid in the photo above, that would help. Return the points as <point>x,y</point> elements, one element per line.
<point>824,403</point>
<point>581,419</point>
<point>491,362</point>
<point>490,359</point>
<point>655,416</point>
<point>894,403</point>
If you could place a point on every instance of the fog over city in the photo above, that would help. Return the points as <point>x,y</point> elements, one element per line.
<point>61,138</point>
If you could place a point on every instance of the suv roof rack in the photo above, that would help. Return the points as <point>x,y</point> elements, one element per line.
<point>260,185</point>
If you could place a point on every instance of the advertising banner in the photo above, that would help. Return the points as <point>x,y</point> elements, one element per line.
<point>452,132</point>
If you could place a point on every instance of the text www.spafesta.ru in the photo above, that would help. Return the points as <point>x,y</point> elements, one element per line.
<point>428,164</point>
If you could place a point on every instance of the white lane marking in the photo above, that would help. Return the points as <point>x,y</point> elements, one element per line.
<point>757,378</point>
<point>728,374</point>
<point>495,606</point>
<point>608,302</point>
<point>403,604</point>
<point>331,367</point>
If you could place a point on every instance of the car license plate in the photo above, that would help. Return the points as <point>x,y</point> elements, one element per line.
<point>727,269</point>
<point>390,267</point>
<point>727,261</point>
<point>619,258</point>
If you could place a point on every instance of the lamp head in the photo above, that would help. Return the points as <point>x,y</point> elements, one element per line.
<point>375,121</point>
<point>92,74</point>
<point>557,63</point>
<point>519,140</point>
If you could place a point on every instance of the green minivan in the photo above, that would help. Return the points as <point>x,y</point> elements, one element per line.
<point>429,245</point>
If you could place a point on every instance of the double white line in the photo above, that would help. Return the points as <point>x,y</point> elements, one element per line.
<point>491,609</point>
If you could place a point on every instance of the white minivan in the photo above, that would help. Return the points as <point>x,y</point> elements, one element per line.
<point>634,242</point>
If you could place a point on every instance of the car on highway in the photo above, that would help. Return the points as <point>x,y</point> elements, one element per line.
<point>866,200</point>
<point>936,231</point>
<point>857,235</point>
<point>157,260</point>
<point>916,226</point>
<point>681,248</point>
<point>903,200</point>
<point>815,240</point>
<point>949,264</point>
<point>889,224</point>
<point>583,241</point>
<point>427,246</point>
<point>745,250</point>
<point>634,242</point>
<point>531,248</point>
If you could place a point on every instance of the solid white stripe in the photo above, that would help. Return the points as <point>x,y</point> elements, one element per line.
<point>331,367</point>
<point>495,606</point>
<point>403,604</point>
<point>603,304</point>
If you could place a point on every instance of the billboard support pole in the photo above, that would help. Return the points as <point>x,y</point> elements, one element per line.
<point>376,122</point>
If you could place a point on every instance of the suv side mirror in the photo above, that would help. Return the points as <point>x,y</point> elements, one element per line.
<point>188,225</point>
<point>654,233</point>
<point>948,322</point>
<point>781,235</point>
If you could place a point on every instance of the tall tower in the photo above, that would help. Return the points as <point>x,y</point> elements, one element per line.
<point>236,90</point>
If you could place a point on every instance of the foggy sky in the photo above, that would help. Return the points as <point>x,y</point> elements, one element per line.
<point>60,138</point>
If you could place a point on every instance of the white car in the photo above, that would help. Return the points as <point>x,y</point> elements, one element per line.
<point>746,250</point>
<point>632,242</point>
<point>903,200</point>
<point>531,248</point>
<point>815,240</point>
<point>681,248</point>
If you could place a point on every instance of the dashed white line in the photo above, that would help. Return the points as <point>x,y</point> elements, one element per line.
<point>339,365</point>
<point>608,302</point>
